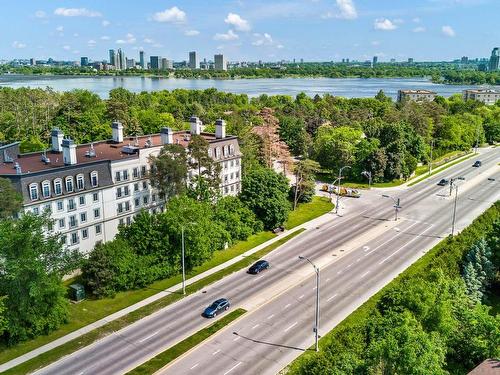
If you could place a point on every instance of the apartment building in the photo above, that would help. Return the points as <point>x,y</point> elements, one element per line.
<point>91,189</point>
<point>487,96</point>
<point>416,95</point>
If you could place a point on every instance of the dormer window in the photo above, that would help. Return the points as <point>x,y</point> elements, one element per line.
<point>69,184</point>
<point>94,179</point>
<point>34,192</point>
<point>210,152</point>
<point>231,149</point>
<point>224,150</point>
<point>80,183</point>
<point>217,152</point>
<point>58,186</point>
<point>46,189</point>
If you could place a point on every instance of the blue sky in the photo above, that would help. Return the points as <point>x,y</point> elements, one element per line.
<point>316,30</point>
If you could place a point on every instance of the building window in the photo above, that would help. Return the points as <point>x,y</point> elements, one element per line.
<point>145,199</point>
<point>83,217</point>
<point>82,200</point>
<point>69,184</point>
<point>72,221</point>
<point>64,239</point>
<point>71,204</point>
<point>217,152</point>
<point>94,181</point>
<point>85,233</point>
<point>231,149</point>
<point>143,171</point>
<point>118,176</point>
<point>74,238</point>
<point>225,178</point>
<point>135,172</point>
<point>62,223</point>
<point>36,210</point>
<point>136,187</point>
<point>46,189</point>
<point>80,183</point>
<point>237,174</point>
<point>48,208</point>
<point>127,206</point>
<point>119,192</point>
<point>225,165</point>
<point>95,197</point>
<point>129,220</point>
<point>137,202</point>
<point>98,229</point>
<point>60,205</point>
<point>34,192</point>
<point>97,213</point>
<point>226,190</point>
<point>237,162</point>
<point>144,185</point>
<point>126,191</point>
<point>231,176</point>
<point>120,208</point>
<point>224,150</point>
<point>58,186</point>
<point>232,187</point>
<point>209,152</point>
<point>232,163</point>
<point>121,222</point>
<point>125,175</point>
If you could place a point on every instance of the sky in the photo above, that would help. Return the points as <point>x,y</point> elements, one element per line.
<point>251,30</point>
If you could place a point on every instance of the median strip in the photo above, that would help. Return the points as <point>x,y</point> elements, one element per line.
<point>185,345</point>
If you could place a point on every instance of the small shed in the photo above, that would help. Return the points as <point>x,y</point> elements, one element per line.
<point>76,292</point>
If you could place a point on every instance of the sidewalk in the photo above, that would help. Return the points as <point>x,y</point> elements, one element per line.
<point>99,323</point>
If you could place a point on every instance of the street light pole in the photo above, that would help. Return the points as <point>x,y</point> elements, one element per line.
<point>183,265</point>
<point>338,187</point>
<point>368,174</point>
<point>430,161</point>
<point>316,321</point>
<point>454,211</point>
<point>396,205</point>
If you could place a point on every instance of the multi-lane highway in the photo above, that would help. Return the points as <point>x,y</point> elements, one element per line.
<point>358,253</point>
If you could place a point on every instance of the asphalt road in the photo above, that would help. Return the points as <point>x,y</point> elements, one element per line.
<point>358,253</point>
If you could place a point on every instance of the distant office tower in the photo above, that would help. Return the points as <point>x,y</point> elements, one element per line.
<point>494,60</point>
<point>301,61</point>
<point>393,60</point>
<point>112,57</point>
<point>193,60</point>
<point>347,61</point>
<point>32,61</point>
<point>220,62</point>
<point>167,64</point>
<point>374,61</point>
<point>464,60</point>
<point>121,62</point>
<point>141,59</point>
<point>84,61</point>
<point>130,63</point>
<point>410,60</point>
<point>155,62</point>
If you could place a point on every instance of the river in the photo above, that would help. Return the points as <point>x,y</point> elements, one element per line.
<point>346,87</point>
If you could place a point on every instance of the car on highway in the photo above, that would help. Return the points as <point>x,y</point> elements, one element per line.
<point>258,266</point>
<point>216,307</point>
<point>444,182</point>
<point>477,163</point>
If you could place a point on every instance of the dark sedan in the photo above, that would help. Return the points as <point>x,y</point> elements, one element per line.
<point>216,307</point>
<point>443,182</point>
<point>261,265</point>
<point>477,164</point>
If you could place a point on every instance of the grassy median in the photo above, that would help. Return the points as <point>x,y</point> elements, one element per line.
<point>164,358</point>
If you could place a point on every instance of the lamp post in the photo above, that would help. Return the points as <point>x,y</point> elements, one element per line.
<point>316,321</point>
<point>368,175</point>
<point>396,205</point>
<point>454,185</point>
<point>338,187</point>
<point>183,264</point>
<point>430,161</point>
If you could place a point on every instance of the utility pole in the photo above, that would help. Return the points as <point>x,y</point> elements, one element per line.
<point>338,187</point>
<point>454,212</point>
<point>397,205</point>
<point>316,320</point>
<point>183,265</point>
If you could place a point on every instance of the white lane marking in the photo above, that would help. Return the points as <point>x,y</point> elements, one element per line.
<point>255,326</point>
<point>148,337</point>
<point>339,272</point>
<point>363,275</point>
<point>237,338</point>
<point>389,240</point>
<point>397,229</point>
<point>332,297</point>
<point>349,265</point>
<point>366,248</point>
<point>270,316</point>
<point>328,279</point>
<point>217,351</point>
<point>357,260</point>
<point>289,328</point>
<point>406,244</point>
<point>192,368</point>
<point>232,368</point>
<point>302,296</point>
<point>287,306</point>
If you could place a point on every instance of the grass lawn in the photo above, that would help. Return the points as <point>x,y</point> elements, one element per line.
<point>91,310</point>
<point>162,359</point>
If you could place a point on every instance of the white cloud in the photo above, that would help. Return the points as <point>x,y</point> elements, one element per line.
<point>347,9</point>
<point>384,24</point>
<point>375,43</point>
<point>148,41</point>
<point>280,46</point>
<point>157,45</point>
<point>17,44</point>
<point>416,20</point>
<point>448,31</point>
<point>66,48</point>
<point>129,39</point>
<point>91,43</point>
<point>230,35</point>
<point>238,22</point>
<point>60,29</point>
<point>76,35</point>
<point>173,15</point>
<point>40,14</point>
<point>419,29</point>
<point>191,32</point>
<point>105,23</point>
<point>76,12</point>
<point>263,39</point>
<point>105,37</point>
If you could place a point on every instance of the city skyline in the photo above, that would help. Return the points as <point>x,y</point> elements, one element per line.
<point>251,31</point>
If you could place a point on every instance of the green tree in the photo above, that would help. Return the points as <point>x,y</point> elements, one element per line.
<point>11,201</point>
<point>265,192</point>
<point>32,144</point>
<point>236,218</point>
<point>292,130</point>
<point>34,262</point>
<point>205,184</point>
<point>335,147</point>
<point>304,188</point>
<point>3,316</point>
<point>478,270</point>
<point>169,170</point>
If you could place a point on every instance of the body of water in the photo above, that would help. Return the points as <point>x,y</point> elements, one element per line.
<point>346,87</point>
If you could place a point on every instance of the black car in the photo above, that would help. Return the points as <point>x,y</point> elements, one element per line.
<point>443,182</point>
<point>477,163</point>
<point>216,307</point>
<point>261,265</point>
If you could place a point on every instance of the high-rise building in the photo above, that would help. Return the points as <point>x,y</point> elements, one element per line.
<point>112,57</point>
<point>121,62</point>
<point>374,61</point>
<point>32,61</point>
<point>84,61</point>
<point>130,63</point>
<point>494,60</point>
<point>220,62</point>
<point>410,60</point>
<point>155,62</point>
<point>464,60</point>
<point>166,64</point>
<point>141,59</point>
<point>193,60</point>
